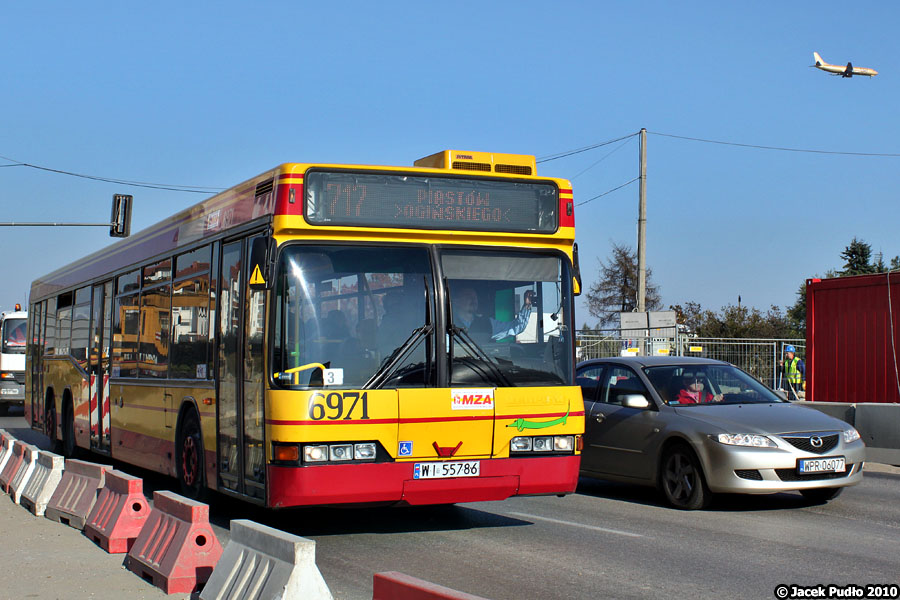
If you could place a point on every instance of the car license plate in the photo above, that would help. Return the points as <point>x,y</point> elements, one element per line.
<point>443,470</point>
<point>821,465</point>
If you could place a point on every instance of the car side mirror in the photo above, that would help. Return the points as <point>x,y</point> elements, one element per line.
<point>635,401</point>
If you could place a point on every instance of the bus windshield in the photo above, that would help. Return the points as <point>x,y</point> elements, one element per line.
<point>350,308</point>
<point>371,313</point>
<point>14,336</point>
<point>509,318</point>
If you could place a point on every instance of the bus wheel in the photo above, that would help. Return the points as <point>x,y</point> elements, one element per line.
<point>4,410</point>
<point>68,424</point>
<point>50,424</point>
<point>189,458</point>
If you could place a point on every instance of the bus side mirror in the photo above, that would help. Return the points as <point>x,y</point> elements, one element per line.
<point>259,265</point>
<point>576,284</point>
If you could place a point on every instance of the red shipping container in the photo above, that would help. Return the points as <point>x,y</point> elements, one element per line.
<point>853,339</point>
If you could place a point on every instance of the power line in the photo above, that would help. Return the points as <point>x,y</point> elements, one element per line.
<point>604,157</point>
<point>550,157</point>
<point>194,189</point>
<point>779,148</point>
<point>607,192</point>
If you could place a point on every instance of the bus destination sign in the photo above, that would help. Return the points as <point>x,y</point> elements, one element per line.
<point>372,199</point>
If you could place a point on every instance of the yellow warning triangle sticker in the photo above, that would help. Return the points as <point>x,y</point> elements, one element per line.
<point>257,278</point>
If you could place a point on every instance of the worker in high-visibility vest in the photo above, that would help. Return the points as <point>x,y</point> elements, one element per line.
<point>793,373</point>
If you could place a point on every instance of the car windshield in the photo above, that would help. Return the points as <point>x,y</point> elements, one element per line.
<point>708,384</point>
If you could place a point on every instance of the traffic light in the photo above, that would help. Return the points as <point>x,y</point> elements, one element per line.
<point>120,220</point>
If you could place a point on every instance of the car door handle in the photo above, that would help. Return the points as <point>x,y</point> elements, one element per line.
<point>600,418</point>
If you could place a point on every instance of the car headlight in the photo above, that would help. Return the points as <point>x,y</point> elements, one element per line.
<point>745,439</point>
<point>850,435</point>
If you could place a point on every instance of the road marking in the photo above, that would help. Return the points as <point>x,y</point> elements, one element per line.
<point>572,524</point>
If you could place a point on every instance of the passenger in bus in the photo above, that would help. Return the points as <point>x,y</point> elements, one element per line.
<point>335,327</point>
<point>502,329</point>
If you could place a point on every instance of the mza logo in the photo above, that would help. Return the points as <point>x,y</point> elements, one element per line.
<point>472,399</point>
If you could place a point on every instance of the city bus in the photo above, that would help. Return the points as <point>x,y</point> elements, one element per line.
<point>12,358</point>
<point>328,334</point>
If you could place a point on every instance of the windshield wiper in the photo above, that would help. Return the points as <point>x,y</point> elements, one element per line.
<point>476,351</point>
<point>470,345</point>
<point>396,357</point>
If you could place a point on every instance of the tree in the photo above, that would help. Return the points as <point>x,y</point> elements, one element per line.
<point>735,321</point>
<point>857,259</point>
<point>616,289</point>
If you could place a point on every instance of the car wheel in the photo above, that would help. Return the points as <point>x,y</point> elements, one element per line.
<point>821,495</point>
<point>682,479</point>
<point>190,458</point>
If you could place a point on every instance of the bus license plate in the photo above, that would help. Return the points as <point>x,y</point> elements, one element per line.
<point>443,470</point>
<point>821,465</point>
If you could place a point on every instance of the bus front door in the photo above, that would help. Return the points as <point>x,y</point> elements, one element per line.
<point>240,428</point>
<point>98,365</point>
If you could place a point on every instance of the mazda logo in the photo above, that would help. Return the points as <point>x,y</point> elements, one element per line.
<point>816,441</point>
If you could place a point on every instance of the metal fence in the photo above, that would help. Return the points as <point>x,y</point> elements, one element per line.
<point>759,357</point>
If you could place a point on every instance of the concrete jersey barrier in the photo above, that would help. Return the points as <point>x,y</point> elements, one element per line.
<point>262,562</point>
<point>47,474</point>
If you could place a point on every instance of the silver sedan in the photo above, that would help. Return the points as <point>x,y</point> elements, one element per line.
<point>693,427</point>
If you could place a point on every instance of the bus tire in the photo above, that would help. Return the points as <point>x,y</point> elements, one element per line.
<point>50,423</point>
<point>189,457</point>
<point>69,447</point>
<point>4,410</point>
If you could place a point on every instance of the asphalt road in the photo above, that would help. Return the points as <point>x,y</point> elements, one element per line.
<point>605,541</point>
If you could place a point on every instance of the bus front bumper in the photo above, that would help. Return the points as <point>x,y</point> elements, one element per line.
<point>393,483</point>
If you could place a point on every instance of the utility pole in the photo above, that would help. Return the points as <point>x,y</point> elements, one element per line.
<point>642,228</point>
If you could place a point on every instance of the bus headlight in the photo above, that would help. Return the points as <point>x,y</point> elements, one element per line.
<point>543,443</point>
<point>563,444</point>
<point>364,451</point>
<point>315,453</point>
<point>520,444</point>
<point>338,452</point>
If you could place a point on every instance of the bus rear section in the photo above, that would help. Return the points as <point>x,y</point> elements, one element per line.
<point>12,358</point>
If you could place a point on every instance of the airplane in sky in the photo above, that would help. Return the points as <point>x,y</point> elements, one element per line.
<point>848,71</point>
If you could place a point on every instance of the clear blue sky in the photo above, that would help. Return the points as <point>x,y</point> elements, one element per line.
<point>209,94</point>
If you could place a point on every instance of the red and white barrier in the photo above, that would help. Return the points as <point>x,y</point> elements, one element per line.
<point>6,442</point>
<point>392,585</point>
<point>176,550</point>
<point>26,469</point>
<point>119,513</point>
<point>76,493</point>
<point>13,463</point>
<point>46,477</point>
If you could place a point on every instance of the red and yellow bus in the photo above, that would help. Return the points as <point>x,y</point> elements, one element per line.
<point>328,334</point>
